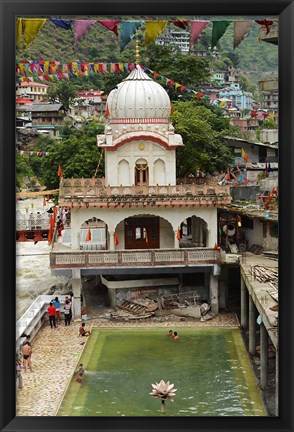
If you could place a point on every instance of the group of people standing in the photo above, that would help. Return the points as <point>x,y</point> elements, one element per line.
<point>54,311</point>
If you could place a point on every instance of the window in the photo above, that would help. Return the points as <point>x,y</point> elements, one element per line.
<point>274,230</point>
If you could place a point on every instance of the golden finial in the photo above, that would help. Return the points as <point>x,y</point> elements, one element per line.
<point>137,49</point>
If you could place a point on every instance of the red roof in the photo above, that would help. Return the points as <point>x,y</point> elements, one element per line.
<point>31,84</point>
<point>24,101</point>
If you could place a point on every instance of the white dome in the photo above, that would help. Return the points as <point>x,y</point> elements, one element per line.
<point>138,96</point>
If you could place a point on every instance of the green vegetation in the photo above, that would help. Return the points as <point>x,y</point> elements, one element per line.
<point>203,130</point>
<point>63,92</point>
<point>76,153</point>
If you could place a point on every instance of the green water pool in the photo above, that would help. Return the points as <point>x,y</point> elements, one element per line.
<point>209,367</point>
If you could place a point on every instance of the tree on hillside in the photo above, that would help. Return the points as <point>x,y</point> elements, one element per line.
<point>170,63</point>
<point>64,92</point>
<point>203,130</point>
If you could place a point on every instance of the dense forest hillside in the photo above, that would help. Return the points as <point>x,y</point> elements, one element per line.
<point>101,45</point>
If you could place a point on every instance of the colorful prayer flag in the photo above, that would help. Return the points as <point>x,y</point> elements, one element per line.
<point>196,28</point>
<point>128,30</point>
<point>81,27</point>
<point>181,23</point>
<point>30,28</point>
<point>244,155</point>
<point>116,239</point>
<point>89,235</point>
<point>63,23</point>
<point>110,25</point>
<point>218,30</point>
<point>153,30</point>
<point>241,29</point>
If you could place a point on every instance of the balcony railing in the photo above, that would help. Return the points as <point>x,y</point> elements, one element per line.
<point>95,188</point>
<point>134,258</point>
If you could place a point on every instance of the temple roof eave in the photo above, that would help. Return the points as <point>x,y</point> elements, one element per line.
<point>156,137</point>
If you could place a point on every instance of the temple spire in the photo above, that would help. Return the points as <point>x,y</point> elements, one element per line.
<point>137,49</point>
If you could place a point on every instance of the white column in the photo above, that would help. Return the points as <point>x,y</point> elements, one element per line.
<point>176,241</point>
<point>200,234</point>
<point>244,305</point>
<point>75,231</point>
<point>111,241</point>
<point>277,381</point>
<point>263,356</point>
<point>252,326</point>
<point>213,290</point>
<point>76,289</point>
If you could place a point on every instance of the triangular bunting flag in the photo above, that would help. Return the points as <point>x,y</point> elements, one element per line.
<point>89,235</point>
<point>127,32</point>
<point>81,27</point>
<point>218,30</point>
<point>153,30</point>
<point>241,29</point>
<point>63,23</point>
<point>18,32</point>
<point>30,29</point>
<point>196,28</point>
<point>59,171</point>
<point>182,24</point>
<point>110,25</point>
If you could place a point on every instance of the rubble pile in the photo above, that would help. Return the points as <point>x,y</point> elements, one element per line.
<point>181,305</point>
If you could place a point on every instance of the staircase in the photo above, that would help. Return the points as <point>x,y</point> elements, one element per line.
<point>133,308</point>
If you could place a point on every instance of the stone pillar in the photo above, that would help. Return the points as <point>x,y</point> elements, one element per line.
<point>194,232</point>
<point>75,231</point>
<point>176,241</point>
<point>77,290</point>
<point>111,241</point>
<point>200,234</point>
<point>244,305</point>
<point>252,326</point>
<point>263,356</point>
<point>277,381</point>
<point>213,290</point>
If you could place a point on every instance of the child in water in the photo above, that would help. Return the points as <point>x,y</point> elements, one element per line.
<point>176,337</point>
<point>80,372</point>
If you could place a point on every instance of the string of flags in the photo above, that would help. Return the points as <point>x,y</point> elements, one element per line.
<point>32,70</point>
<point>32,153</point>
<point>82,69</point>
<point>125,30</point>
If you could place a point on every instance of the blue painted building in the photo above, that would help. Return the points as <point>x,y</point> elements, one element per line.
<point>239,98</point>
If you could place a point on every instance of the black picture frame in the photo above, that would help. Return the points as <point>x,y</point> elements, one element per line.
<point>9,10</point>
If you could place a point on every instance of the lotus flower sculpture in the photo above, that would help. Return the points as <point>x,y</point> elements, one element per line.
<point>164,391</point>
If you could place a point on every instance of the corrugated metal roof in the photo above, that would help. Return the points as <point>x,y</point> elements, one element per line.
<point>45,107</point>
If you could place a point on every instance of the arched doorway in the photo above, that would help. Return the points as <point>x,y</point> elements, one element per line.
<point>142,232</point>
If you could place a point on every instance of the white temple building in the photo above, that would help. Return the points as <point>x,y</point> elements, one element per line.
<point>148,224</point>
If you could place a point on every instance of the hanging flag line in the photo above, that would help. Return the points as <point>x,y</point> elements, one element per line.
<point>29,70</point>
<point>28,28</point>
<point>81,69</point>
<point>32,153</point>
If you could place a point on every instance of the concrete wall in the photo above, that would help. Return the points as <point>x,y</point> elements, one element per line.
<point>255,235</point>
<point>131,153</point>
<point>245,193</point>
